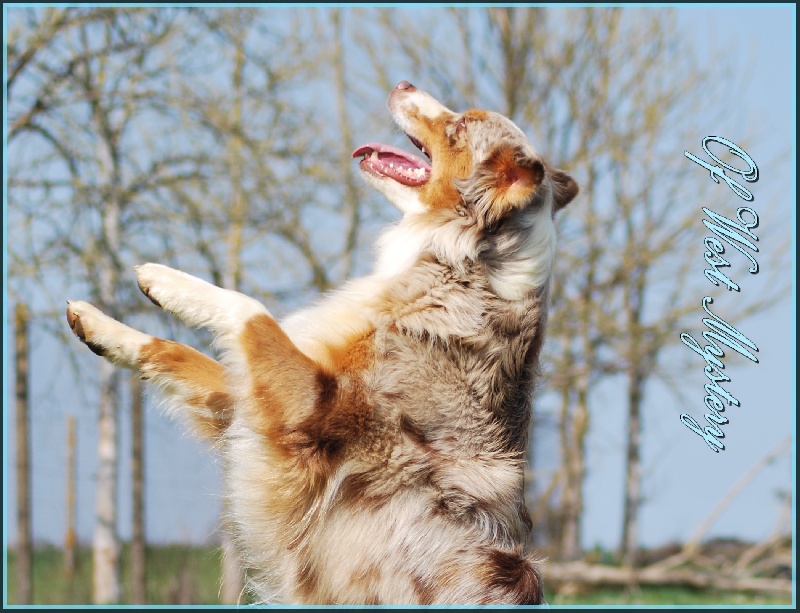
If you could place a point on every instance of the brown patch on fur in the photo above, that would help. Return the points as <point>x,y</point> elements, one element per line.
<point>516,576</point>
<point>220,406</point>
<point>477,114</point>
<point>355,491</point>
<point>366,581</point>
<point>289,405</point>
<point>423,592</point>
<point>345,418</point>
<point>412,430</point>
<point>202,380</point>
<point>451,160</point>
<point>313,416</point>
<point>355,354</point>
<point>307,581</point>
<point>189,365</point>
<point>515,181</point>
<point>273,361</point>
<point>328,387</point>
<point>352,490</point>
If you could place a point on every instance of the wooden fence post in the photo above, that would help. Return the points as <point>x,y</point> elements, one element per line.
<point>138,588</point>
<point>69,539</point>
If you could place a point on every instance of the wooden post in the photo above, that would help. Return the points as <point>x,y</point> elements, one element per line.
<point>69,539</point>
<point>138,591</point>
<point>24,541</point>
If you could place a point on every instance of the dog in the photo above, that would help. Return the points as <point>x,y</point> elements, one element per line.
<point>374,443</point>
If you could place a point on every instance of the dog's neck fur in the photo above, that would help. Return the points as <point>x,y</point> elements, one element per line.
<point>518,260</point>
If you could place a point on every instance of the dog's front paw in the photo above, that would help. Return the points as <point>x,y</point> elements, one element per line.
<point>177,292</point>
<point>196,302</point>
<point>159,282</point>
<point>105,336</point>
<point>80,317</point>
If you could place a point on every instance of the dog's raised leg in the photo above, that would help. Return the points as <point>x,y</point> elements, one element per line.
<point>280,384</point>
<point>189,379</point>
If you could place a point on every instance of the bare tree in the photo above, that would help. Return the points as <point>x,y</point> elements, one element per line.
<point>90,75</point>
<point>138,538</point>
<point>24,574</point>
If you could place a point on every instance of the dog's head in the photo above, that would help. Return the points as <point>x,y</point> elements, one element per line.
<point>481,163</point>
<point>486,195</point>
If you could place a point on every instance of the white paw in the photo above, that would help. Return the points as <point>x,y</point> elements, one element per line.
<point>196,302</point>
<point>105,336</point>
<point>165,286</point>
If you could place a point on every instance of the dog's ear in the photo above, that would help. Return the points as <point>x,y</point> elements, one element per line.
<point>564,188</point>
<point>508,179</point>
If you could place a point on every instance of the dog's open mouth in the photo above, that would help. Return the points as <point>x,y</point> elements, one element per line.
<point>395,163</point>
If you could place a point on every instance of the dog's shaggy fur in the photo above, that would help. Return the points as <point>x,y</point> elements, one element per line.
<point>374,443</point>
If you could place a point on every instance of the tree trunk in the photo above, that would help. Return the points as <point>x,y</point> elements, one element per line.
<point>566,502</point>
<point>630,515</point>
<point>232,580</point>
<point>105,548</point>
<point>637,369</point>
<point>106,542</point>
<point>572,505</point>
<point>69,538</point>
<point>232,277</point>
<point>138,590</point>
<point>24,541</point>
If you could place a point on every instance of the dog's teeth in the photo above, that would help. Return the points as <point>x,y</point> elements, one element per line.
<point>373,156</point>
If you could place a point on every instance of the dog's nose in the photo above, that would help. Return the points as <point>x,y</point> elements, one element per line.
<point>404,85</point>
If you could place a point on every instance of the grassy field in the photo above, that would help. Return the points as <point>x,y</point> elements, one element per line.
<point>175,574</point>
<point>190,575</point>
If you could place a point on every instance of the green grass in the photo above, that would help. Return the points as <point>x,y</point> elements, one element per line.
<point>190,575</point>
<point>174,574</point>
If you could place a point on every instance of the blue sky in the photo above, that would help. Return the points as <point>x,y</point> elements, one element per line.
<point>684,479</point>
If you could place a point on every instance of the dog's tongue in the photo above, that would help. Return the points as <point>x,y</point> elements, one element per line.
<point>394,163</point>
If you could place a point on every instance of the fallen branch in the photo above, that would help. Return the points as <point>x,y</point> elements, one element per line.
<point>736,489</point>
<point>598,575</point>
<point>690,549</point>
